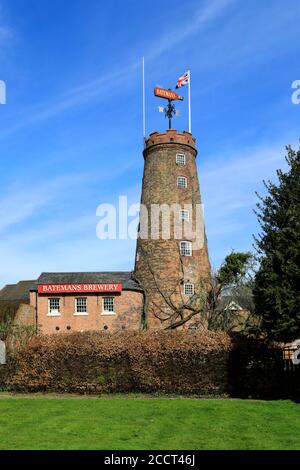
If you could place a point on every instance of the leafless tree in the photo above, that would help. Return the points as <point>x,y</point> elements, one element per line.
<point>203,309</point>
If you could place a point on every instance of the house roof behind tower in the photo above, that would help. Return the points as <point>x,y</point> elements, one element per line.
<point>17,292</point>
<point>124,278</point>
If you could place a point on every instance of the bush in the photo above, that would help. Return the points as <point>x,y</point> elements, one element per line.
<point>92,362</point>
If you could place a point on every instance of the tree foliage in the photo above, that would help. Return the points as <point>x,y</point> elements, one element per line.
<point>234,269</point>
<point>231,285</point>
<point>277,282</point>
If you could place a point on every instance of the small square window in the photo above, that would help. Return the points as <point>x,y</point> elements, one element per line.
<point>180,159</point>
<point>54,306</point>
<point>189,289</point>
<point>186,248</point>
<point>182,182</point>
<point>185,215</point>
<point>108,305</point>
<point>81,305</point>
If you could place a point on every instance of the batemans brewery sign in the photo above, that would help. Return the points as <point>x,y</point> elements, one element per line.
<point>167,94</point>
<point>78,288</point>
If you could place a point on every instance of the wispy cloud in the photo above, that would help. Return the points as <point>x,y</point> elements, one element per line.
<point>22,201</point>
<point>61,228</point>
<point>6,32</point>
<point>229,182</point>
<point>116,80</point>
<point>71,98</point>
<point>228,189</point>
<point>199,19</point>
<point>82,254</point>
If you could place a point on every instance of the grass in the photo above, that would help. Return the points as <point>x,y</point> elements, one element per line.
<point>145,423</point>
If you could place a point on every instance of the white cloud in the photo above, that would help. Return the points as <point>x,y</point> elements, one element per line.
<point>72,98</point>
<point>115,81</point>
<point>6,32</point>
<point>200,19</point>
<point>228,185</point>
<point>81,254</point>
<point>22,201</point>
<point>57,228</point>
<point>229,182</point>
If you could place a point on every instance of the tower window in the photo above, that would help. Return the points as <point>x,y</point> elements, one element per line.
<point>54,307</point>
<point>189,289</point>
<point>182,182</point>
<point>180,159</point>
<point>108,305</point>
<point>81,305</point>
<point>184,215</point>
<point>186,248</point>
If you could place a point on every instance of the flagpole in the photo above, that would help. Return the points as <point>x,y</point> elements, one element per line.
<point>190,111</point>
<point>144,100</point>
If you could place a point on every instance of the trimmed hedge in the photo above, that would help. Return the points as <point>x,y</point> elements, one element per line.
<point>202,363</point>
<point>92,362</point>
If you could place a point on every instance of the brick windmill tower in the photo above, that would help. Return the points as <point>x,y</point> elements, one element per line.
<point>172,262</point>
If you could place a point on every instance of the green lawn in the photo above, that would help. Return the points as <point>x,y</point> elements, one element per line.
<point>141,423</point>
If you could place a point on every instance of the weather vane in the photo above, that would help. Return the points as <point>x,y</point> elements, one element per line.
<point>171,96</point>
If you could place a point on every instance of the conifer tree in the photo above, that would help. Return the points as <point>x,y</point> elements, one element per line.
<point>277,282</point>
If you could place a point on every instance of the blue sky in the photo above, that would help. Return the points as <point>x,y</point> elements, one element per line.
<point>71,131</point>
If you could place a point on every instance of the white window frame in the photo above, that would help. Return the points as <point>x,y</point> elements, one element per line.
<point>184,215</point>
<point>79,313</point>
<point>108,312</point>
<point>180,159</point>
<point>191,286</point>
<point>182,182</point>
<point>53,312</point>
<point>186,251</point>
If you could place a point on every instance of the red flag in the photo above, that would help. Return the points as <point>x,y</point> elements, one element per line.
<point>183,80</point>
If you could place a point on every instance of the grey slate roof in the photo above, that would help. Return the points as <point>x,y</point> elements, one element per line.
<point>17,292</point>
<point>125,278</point>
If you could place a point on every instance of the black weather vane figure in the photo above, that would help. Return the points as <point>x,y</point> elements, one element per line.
<point>170,110</point>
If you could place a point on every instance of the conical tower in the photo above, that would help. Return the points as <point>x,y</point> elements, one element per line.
<point>172,262</point>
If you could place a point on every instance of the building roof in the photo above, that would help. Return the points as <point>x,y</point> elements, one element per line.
<point>124,278</point>
<point>17,292</point>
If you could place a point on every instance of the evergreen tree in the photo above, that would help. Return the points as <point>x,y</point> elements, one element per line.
<point>277,282</point>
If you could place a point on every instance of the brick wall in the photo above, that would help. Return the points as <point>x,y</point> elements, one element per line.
<point>25,315</point>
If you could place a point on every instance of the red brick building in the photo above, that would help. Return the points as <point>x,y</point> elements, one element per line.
<point>86,301</point>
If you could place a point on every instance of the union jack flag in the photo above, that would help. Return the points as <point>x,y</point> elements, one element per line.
<point>183,80</point>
